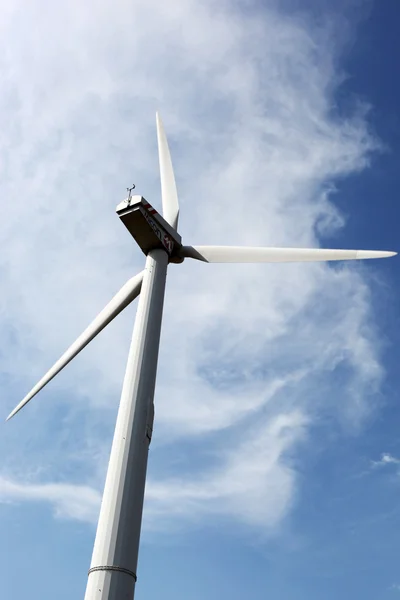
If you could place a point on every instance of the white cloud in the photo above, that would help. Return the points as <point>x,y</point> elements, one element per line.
<point>386,459</point>
<point>68,501</point>
<point>254,481</point>
<point>248,103</point>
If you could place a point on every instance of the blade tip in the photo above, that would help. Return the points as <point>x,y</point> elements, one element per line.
<point>385,254</point>
<point>17,408</point>
<point>374,254</point>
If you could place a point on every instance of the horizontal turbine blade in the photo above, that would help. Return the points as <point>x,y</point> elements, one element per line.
<point>242,254</point>
<point>169,195</point>
<point>125,296</point>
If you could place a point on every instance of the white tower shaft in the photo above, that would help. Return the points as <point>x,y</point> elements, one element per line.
<point>112,574</point>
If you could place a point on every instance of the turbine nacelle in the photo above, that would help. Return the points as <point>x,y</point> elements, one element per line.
<point>149,229</point>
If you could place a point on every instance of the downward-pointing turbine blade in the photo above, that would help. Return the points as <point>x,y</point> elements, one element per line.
<point>241,254</point>
<point>169,194</point>
<point>125,296</point>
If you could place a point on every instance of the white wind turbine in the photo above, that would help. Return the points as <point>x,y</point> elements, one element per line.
<point>112,574</point>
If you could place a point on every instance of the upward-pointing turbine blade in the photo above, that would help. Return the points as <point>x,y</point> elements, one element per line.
<point>242,254</point>
<point>169,194</point>
<point>125,296</point>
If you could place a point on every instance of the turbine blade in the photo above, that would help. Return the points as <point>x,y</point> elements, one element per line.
<point>169,194</point>
<point>242,254</point>
<point>125,296</point>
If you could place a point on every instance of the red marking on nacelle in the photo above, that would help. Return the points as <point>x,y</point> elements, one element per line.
<point>149,207</point>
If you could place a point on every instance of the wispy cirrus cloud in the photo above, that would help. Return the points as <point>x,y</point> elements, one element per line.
<point>77,502</point>
<point>248,483</point>
<point>248,352</point>
<point>254,482</point>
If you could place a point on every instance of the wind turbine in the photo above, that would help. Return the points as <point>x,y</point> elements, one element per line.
<point>112,574</point>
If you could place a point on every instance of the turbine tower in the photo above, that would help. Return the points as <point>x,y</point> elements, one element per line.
<point>112,574</point>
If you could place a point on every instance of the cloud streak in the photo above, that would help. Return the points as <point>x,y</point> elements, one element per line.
<point>251,482</point>
<point>385,460</point>
<point>76,502</point>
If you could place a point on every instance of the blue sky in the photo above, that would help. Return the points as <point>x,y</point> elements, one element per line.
<point>275,463</point>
